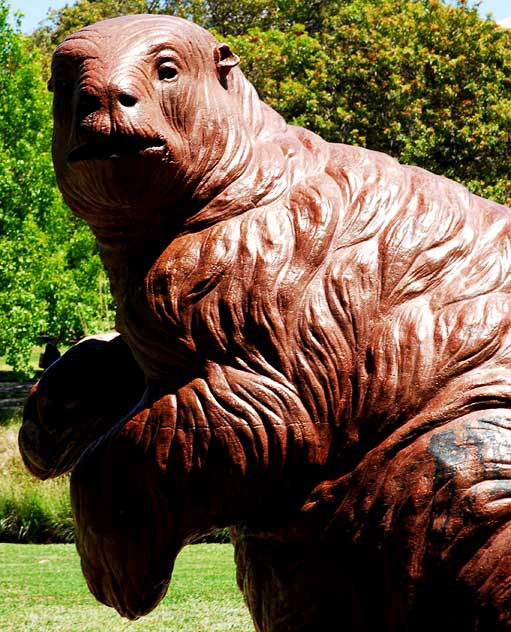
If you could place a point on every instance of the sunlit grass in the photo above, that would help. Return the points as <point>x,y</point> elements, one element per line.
<point>30,510</point>
<point>42,590</point>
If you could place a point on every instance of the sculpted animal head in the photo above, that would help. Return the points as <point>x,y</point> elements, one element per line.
<point>150,113</point>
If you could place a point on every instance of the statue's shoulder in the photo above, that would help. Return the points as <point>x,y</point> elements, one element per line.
<point>409,188</point>
<point>362,167</point>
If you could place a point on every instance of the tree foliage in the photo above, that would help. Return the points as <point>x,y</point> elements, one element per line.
<point>49,270</point>
<point>223,16</point>
<point>426,83</point>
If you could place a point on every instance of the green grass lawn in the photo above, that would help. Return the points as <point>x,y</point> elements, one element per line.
<point>42,590</point>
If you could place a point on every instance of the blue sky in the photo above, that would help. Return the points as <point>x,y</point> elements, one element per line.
<point>500,9</point>
<point>36,10</point>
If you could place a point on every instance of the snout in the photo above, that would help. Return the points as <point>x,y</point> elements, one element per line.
<point>103,108</point>
<point>109,125</point>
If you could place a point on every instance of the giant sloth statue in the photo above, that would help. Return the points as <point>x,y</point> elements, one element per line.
<point>314,351</point>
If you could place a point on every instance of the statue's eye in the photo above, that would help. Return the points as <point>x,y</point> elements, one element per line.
<point>167,71</point>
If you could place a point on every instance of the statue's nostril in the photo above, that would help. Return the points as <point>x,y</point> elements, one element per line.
<point>127,100</point>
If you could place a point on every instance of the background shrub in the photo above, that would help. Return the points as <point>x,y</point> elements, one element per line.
<point>30,510</point>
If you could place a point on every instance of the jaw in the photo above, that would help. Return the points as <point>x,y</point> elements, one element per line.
<point>118,147</point>
<point>119,182</point>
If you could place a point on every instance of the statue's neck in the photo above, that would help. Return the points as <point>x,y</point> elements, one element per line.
<point>129,252</point>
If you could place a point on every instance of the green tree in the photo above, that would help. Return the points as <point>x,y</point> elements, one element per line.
<point>223,16</point>
<point>49,269</point>
<point>70,18</point>
<point>428,83</point>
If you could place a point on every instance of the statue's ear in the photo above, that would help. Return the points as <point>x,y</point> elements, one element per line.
<point>225,60</point>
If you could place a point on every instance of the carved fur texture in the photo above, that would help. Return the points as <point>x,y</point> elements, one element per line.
<point>324,335</point>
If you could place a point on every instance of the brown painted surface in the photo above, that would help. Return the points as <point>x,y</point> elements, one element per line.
<point>325,339</point>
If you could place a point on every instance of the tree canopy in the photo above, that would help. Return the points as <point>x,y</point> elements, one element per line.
<point>49,269</point>
<point>428,83</point>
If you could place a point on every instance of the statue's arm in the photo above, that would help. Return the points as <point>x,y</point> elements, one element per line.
<point>230,445</point>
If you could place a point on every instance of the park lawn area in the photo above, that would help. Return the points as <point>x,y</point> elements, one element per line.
<point>42,590</point>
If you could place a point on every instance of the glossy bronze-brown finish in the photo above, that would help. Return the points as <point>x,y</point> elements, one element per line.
<point>325,341</point>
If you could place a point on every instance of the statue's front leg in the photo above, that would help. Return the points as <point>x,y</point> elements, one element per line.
<point>418,538</point>
<point>214,452</point>
<point>79,397</point>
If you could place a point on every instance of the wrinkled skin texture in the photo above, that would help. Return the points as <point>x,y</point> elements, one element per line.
<point>324,338</point>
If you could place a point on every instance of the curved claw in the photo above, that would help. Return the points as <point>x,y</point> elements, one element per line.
<point>79,397</point>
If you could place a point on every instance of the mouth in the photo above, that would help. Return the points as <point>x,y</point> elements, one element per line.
<point>114,148</point>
